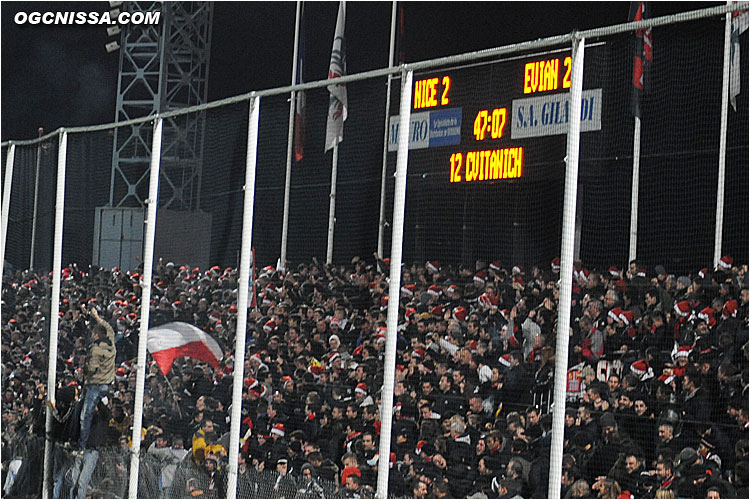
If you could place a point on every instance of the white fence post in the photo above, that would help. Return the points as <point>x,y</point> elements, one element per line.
<point>148,264</point>
<point>566,271</point>
<point>394,291</point>
<point>251,163</point>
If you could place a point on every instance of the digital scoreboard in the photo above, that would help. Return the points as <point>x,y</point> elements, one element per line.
<point>486,122</point>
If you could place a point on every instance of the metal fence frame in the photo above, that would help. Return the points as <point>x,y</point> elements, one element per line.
<point>575,39</point>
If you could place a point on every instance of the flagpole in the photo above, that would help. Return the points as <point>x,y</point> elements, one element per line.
<point>289,142</point>
<point>381,218</point>
<point>634,190</point>
<point>332,205</point>
<point>719,228</point>
<point>336,116</point>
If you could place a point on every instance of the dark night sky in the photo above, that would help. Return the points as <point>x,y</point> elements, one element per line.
<point>56,76</point>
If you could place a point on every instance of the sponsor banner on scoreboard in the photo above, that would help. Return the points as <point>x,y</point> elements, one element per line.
<point>549,114</point>
<point>428,129</point>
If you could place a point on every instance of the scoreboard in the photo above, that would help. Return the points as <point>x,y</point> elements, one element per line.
<point>476,127</point>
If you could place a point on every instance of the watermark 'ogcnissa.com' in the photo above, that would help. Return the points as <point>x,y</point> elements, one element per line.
<point>88,18</point>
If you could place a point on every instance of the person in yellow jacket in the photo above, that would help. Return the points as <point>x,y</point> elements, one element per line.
<point>205,442</point>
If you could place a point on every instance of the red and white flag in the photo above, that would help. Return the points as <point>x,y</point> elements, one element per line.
<point>175,340</point>
<point>337,68</point>
<point>739,26</point>
<point>643,55</point>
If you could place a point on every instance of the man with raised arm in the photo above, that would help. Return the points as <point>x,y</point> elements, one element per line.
<point>100,372</point>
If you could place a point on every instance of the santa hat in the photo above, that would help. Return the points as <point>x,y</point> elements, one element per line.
<point>729,309</point>
<point>361,388</point>
<point>251,383</point>
<point>408,290</point>
<point>480,278</point>
<point>641,273</point>
<point>459,313</point>
<point>496,265</point>
<point>639,367</point>
<point>667,379</point>
<point>505,360</point>
<point>383,302</point>
<point>409,313</point>
<point>452,289</point>
<point>438,311</point>
<point>556,264</point>
<point>725,262</point>
<point>333,357</point>
<point>418,353</point>
<point>214,317</point>
<point>614,313</point>
<point>707,315</point>
<point>517,269</point>
<point>434,290</point>
<point>683,308</point>
<point>682,352</point>
<point>286,379</point>
<point>614,272</point>
<point>278,429</point>
<point>334,322</point>
<point>488,301</point>
<point>433,266</point>
<point>584,274</point>
<point>233,309</point>
<point>627,317</point>
<point>703,272</point>
<point>269,326</point>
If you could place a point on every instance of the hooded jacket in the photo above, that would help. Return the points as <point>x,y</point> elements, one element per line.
<point>100,362</point>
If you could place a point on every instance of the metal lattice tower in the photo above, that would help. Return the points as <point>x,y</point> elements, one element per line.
<point>163,67</point>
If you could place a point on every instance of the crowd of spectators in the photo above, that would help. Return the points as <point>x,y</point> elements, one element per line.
<point>658,396</point>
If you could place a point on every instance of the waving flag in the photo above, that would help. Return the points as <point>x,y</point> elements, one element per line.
<point>299,108</point>
<point>739,26</point>
<point>175,340</point>
<point>643,55</point>
<point>337,99</point>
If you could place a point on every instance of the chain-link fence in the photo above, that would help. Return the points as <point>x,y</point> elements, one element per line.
<point>477,334</point>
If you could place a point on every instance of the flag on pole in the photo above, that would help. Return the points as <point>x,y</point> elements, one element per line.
<point>337,99</point>
<point>739,26</point>
<point>175,340</point>
<point>643,55</point>
<point>401,36</point>
<point>299,113</point>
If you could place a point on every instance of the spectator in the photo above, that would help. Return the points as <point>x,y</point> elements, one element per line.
<point>100,373</point>
<point>462,388</point>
